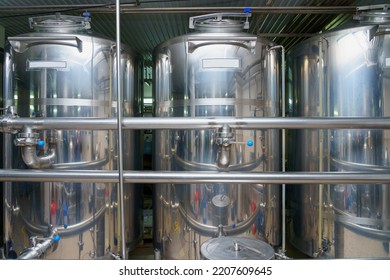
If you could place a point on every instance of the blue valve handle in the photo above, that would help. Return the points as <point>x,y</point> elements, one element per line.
<point>249,143</point>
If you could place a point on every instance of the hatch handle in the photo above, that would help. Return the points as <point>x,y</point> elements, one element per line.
<point>21,44</point>
<point>246,42</point>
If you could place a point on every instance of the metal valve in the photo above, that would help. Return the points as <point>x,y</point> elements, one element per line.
<point>10,113</point>
<point>224,140</point>
<point>26,138</point>
<point>225,136</point>
<point>29,140</point>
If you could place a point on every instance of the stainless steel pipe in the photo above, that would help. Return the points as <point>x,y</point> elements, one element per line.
<point>132,8</point>
<point>119,129</point>
<point>102,176</point>
<point>196,123</point>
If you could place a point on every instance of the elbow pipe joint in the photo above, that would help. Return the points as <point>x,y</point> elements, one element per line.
<point>28,140</point>
<point>31,159</point>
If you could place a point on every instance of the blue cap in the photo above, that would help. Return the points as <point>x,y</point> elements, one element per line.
<point>247,10</point>
<point>249,143</point>
<point>41,143</point>
<point>86,14</point>
<point>56,238</point>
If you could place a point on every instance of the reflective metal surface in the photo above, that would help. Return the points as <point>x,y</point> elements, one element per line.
<point>206,74</point>
<point>344,73</point>
<point>236,248</point>
<point>64,70</point>
<point>1,148</point>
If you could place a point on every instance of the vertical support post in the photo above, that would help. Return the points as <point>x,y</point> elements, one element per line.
<point>321,144</point>
<point>283,152</point>
<point>283,148</point>
<point>119,123</point>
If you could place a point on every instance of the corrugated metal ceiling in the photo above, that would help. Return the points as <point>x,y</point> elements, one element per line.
<point>147,23</point>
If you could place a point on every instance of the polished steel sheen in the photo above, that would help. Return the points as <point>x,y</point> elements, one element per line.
<point>344,73</point>
<point>217,71</point>
<point>236,248</point>
<point>64,70</point>
<point>1,151</point>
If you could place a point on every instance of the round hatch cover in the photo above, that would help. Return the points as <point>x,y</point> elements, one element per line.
<point>60,23</point>
<point>236,248</point>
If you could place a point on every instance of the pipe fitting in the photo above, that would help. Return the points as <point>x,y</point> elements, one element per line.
<point>10,113</point>
<point>28,140</point>
<point>38,246</point>
<point>30,158</point>
<point>224,141</point>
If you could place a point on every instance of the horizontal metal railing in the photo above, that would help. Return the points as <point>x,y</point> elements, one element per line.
<point>111,176</point>
<point>197,123</point>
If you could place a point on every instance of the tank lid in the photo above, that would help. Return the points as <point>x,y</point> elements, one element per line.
<point>216,22</point>
<point>236,248</point>
<point>60,23</point>
<point>221,200</point>
<point>374,14</point>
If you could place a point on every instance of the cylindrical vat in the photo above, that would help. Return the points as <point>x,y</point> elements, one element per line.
<point>1,148</point>
<point>343,73</point>
<point>218,71</point>
<point>64,70</point>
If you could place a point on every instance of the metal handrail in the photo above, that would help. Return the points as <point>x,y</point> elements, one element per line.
<point>9,123</point>
<point>203,177</point>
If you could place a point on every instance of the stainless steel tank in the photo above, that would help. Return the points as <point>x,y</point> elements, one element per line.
<point>343,73</point>
<point>218,71</point>
<point>63,70</point>
<point>1,151</point>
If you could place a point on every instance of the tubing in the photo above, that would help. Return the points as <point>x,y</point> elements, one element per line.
<point>212,231</point>
<point>82,164</point>
<point>197,166</point>
<point>283,147</point>
<point>132,8</point>
<point>30,158</point>
<point>119,128</point>
<point>37,249</point>
<point>102,176</point>
<point>321,145</point>
<point>73,229</point>
<point>8,124</point>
